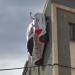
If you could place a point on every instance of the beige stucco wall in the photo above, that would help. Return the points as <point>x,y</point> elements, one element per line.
<point>66,48</point>
<point>72,53</point>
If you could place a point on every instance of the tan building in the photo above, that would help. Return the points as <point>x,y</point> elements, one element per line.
<point>60,52</point>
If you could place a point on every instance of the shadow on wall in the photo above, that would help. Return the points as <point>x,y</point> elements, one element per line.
<point>47,52</point>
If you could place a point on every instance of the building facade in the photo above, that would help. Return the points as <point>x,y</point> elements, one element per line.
<point>59,57</point>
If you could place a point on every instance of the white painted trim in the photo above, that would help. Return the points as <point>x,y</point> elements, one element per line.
<point>54,33</point>
<point>54,39</point>
<point>65,8</point>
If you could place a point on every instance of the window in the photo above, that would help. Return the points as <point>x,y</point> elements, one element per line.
<point>72,31</point>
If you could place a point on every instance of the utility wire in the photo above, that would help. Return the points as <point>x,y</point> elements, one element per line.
<point>11,69</point>
<point>51,65</point>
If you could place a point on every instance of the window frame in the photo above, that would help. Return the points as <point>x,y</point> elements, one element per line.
<point>72,31</point>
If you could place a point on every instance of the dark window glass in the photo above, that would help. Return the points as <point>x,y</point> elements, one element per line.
<point>72,31</point>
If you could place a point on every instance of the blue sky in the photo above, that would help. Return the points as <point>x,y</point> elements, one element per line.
<point>14,20</point>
